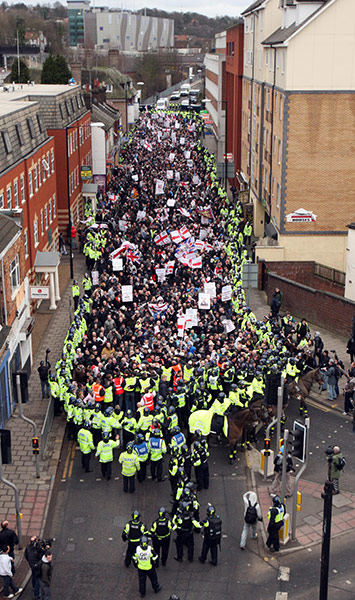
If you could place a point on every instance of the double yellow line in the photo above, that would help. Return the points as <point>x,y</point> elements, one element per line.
<point>69,461</point>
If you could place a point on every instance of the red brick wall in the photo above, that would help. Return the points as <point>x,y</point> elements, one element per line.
<point>12,304</point>
<point>320,307</point>
<point>303,272</point>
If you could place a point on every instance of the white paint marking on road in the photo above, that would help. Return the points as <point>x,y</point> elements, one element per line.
<point>110,539</point>
<point>334,570</point>
<point>81,480</point>
<point>90,539</point>
<point>329,436</point>
<point>309,549</point>
<point>116,478</point>
<point>281,596</point>
<point>323,441</point>
<point>341,426</point>
<point>317,446</point>
<point>233,474</point>
<point>284,574</point>
<point>335,431</point>
<point>224,535</point>
<point>310,453</point>
<point>63,480</point>
<point>348,582</point>
<point>98,479</point>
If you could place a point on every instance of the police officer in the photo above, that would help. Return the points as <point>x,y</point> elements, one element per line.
<point>141,449</point>
<point>157,449</point>
<point>104,451</point>
<point>130,465</point>
<point>86,444</point>
<point>160,531</point>
<point>200,462</point>
<point>76,293</point>
<point>183,523</point>
<point>144,559</point>
<point>212,533</point>
<point>275,515</point>
<point>132,532</point>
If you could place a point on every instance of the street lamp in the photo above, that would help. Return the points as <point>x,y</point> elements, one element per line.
<point>223,102</point>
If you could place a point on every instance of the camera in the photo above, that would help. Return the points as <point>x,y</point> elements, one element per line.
<point>329,451</point>
<point>43,545</point>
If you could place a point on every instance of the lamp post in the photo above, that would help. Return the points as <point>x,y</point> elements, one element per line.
<point>141,84</point>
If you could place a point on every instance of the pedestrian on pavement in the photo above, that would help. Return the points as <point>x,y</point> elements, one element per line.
<point>45,575</point>
<point>144,559</point>
<point>276,302</point>
<point>349,395</point>
<point>337,465</point>
<point>130,465</point>
<point>252,514</point>
<point>43,371</point>
<point>6,562</point>
<point>132,532</point>
<point>275,515</point>
<point>73,233</point>
<point>62,246</point>
<point>161,531</point>
<point>330,373</point>
<point>8,537</point>
<point>350,348</point>
<point>276,484</point>
<point>104,451</point>
<point>212,534</point>
<point>86,445</point>
<point>33,554</point>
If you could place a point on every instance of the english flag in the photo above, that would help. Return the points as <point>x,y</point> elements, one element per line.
<point>162,238</point>
<point>195,263</point>
<point>184,233</point>
<point>147,146</point>
<point>169,267</point>
<point>123,247</point>
<point>176,237</point>
<point>185,213</point>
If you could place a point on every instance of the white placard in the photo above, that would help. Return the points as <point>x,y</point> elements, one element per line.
<point>171,156</point>
<point>39,292</point>
<point>191,318</point>
<point>127,293</point>
<point>117,264</point>
<point>177,175</point>
<point>204,301</point>
<point>95,277</point>
<point>122,225</point>
<point>159,187</point>
<point>210,289</point>
<point>169,174</point>
<point>182,141</point>
<point>187,154</point>
<point>226,293</point>
<point>181,326</point>
<point>190,163</point>
<point>228,325</point>
<point>196,180</point>
<point>171,202</point>
<point>161,274</point>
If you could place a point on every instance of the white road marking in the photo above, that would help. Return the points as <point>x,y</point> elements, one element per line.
<point>90,539</point>
<point>348,582</point>
<point>334,570</point>
<point>284,574</point>
<point>281,596</point>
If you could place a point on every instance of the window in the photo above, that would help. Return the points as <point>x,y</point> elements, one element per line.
<point>16,194</point>
<point>35,232</point>
<point>273,186</point>
<point>80,136</point>
<point>15,273</point>
<point>31,129</point>
<point>54,207</point>
<point>281,107</point>
<point>1,199</point>
<point>267,57</point>
<point>50,211</point>
<point>25,237</point>
<point>261,20</point>
<point>52,161</point>
<point>30,183</point>
<point>48,163</point>
<point>78,103</point>
<point>23,192</point>
<point>44,171</point>
<point>35,173</point>
<point>283,61</point>
<point>278,196</point>
<point>7,142</point>
<point>67,108</point>
<point>232,48</point>
<point>70,144</point>
<point>61,111</point>
<point>19,134</point>
<point>39,174</point>
<point>268,100</point>
<point>72,104</point>
<point>46,216</point>
<point>9,197</point>
<point>279,153</point>
<point>40,123</point>
<point>42,224</point>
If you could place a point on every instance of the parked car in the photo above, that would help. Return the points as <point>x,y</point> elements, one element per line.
<point>175,96</point>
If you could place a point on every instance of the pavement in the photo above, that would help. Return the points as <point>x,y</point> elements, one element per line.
<point>35,494</point>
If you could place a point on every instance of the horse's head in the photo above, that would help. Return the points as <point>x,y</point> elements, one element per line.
<point>317,376</point>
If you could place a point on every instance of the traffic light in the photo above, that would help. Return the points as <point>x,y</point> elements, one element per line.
<point>298,444</point>
<point>35,445</point>
<point>6,446</point>
<point>267,446</point>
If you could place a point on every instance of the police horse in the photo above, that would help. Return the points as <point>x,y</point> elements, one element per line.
<point>233,425</point>
<point>302,388</point>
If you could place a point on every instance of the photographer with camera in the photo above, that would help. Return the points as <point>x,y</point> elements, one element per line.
<point>43,372</point>
<point>33,554</point>
<point>336,464</point>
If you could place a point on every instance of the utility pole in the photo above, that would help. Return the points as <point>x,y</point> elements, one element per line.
<point>327,496</point>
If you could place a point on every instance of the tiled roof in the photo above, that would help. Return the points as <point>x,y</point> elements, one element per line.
<point>253,6</point>
<point>8,230</point>
<point>280,35</point>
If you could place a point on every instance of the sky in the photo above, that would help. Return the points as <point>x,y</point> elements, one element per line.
<point>211,8</point>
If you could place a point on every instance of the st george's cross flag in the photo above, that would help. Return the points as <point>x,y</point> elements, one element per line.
<point>162,238</point>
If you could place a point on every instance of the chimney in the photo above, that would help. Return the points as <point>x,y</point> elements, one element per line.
<point>75,68</point>
<point>113,59</point>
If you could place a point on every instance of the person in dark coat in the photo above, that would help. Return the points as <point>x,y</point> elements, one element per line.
<point>350,348</point>
<point>8,537</point>
<point>276,302</point>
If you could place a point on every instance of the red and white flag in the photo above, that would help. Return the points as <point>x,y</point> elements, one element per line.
<point>147,146</point>
<point>159,308</point>
<point>123,247</point>
<point>184,233</point>
<point>176,237</point>
<point>195,263</point>
<point>162,238</point>
<point>169,267</point>
<point>185,213</point>
<point>133,256</point>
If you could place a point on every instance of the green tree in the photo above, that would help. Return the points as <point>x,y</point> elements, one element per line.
<point>49,71</point>
<point>24,72</point>
<point>63,71</point>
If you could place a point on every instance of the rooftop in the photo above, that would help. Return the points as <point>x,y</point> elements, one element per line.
<point>8,230</point>
<point>21,93</point>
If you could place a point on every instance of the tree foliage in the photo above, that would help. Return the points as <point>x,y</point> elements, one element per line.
<point>55,70</point>
<point>24,72</point>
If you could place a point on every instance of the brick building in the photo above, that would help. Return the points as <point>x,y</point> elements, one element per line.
<point>234,75</point>
<point>298,125</point>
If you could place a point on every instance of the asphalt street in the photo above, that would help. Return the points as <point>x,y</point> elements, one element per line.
<point>87,516</point>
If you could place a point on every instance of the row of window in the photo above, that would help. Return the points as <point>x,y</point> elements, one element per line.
<point>84,134</point>
<point>19,137</point>
<point>71,105</point>
<point>40,172</point>
<point>269,59</point>
<point>47,214</point>
<point>74,180</point>
<point>230,48</point>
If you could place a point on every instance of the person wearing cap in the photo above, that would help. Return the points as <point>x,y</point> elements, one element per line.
<point>336,469</point>
<point>76,293</point>
<point>275,516</point>
<point>144,560</point>
<point>318,348</point>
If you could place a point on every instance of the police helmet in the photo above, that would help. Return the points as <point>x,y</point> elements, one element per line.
<point>197,445</point>
<point>105,436</point>
<point>108,412</point>
<point>143,542</point>
<point>176,430</point>
<point>198,433</point>
<point>135,515</point>
<point>162,511</point>
<point>146,411</point>
<point>276,500</point>
<point>171,410</point>
<point>129,448</point>
<point>221,396</point>
<point>129,413</point>
<point>97,406</point>
<point>210,510</point>
<point>140,438</point>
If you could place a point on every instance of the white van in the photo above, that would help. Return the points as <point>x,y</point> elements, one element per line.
<point>162,103</point>
<point>185,89</point>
